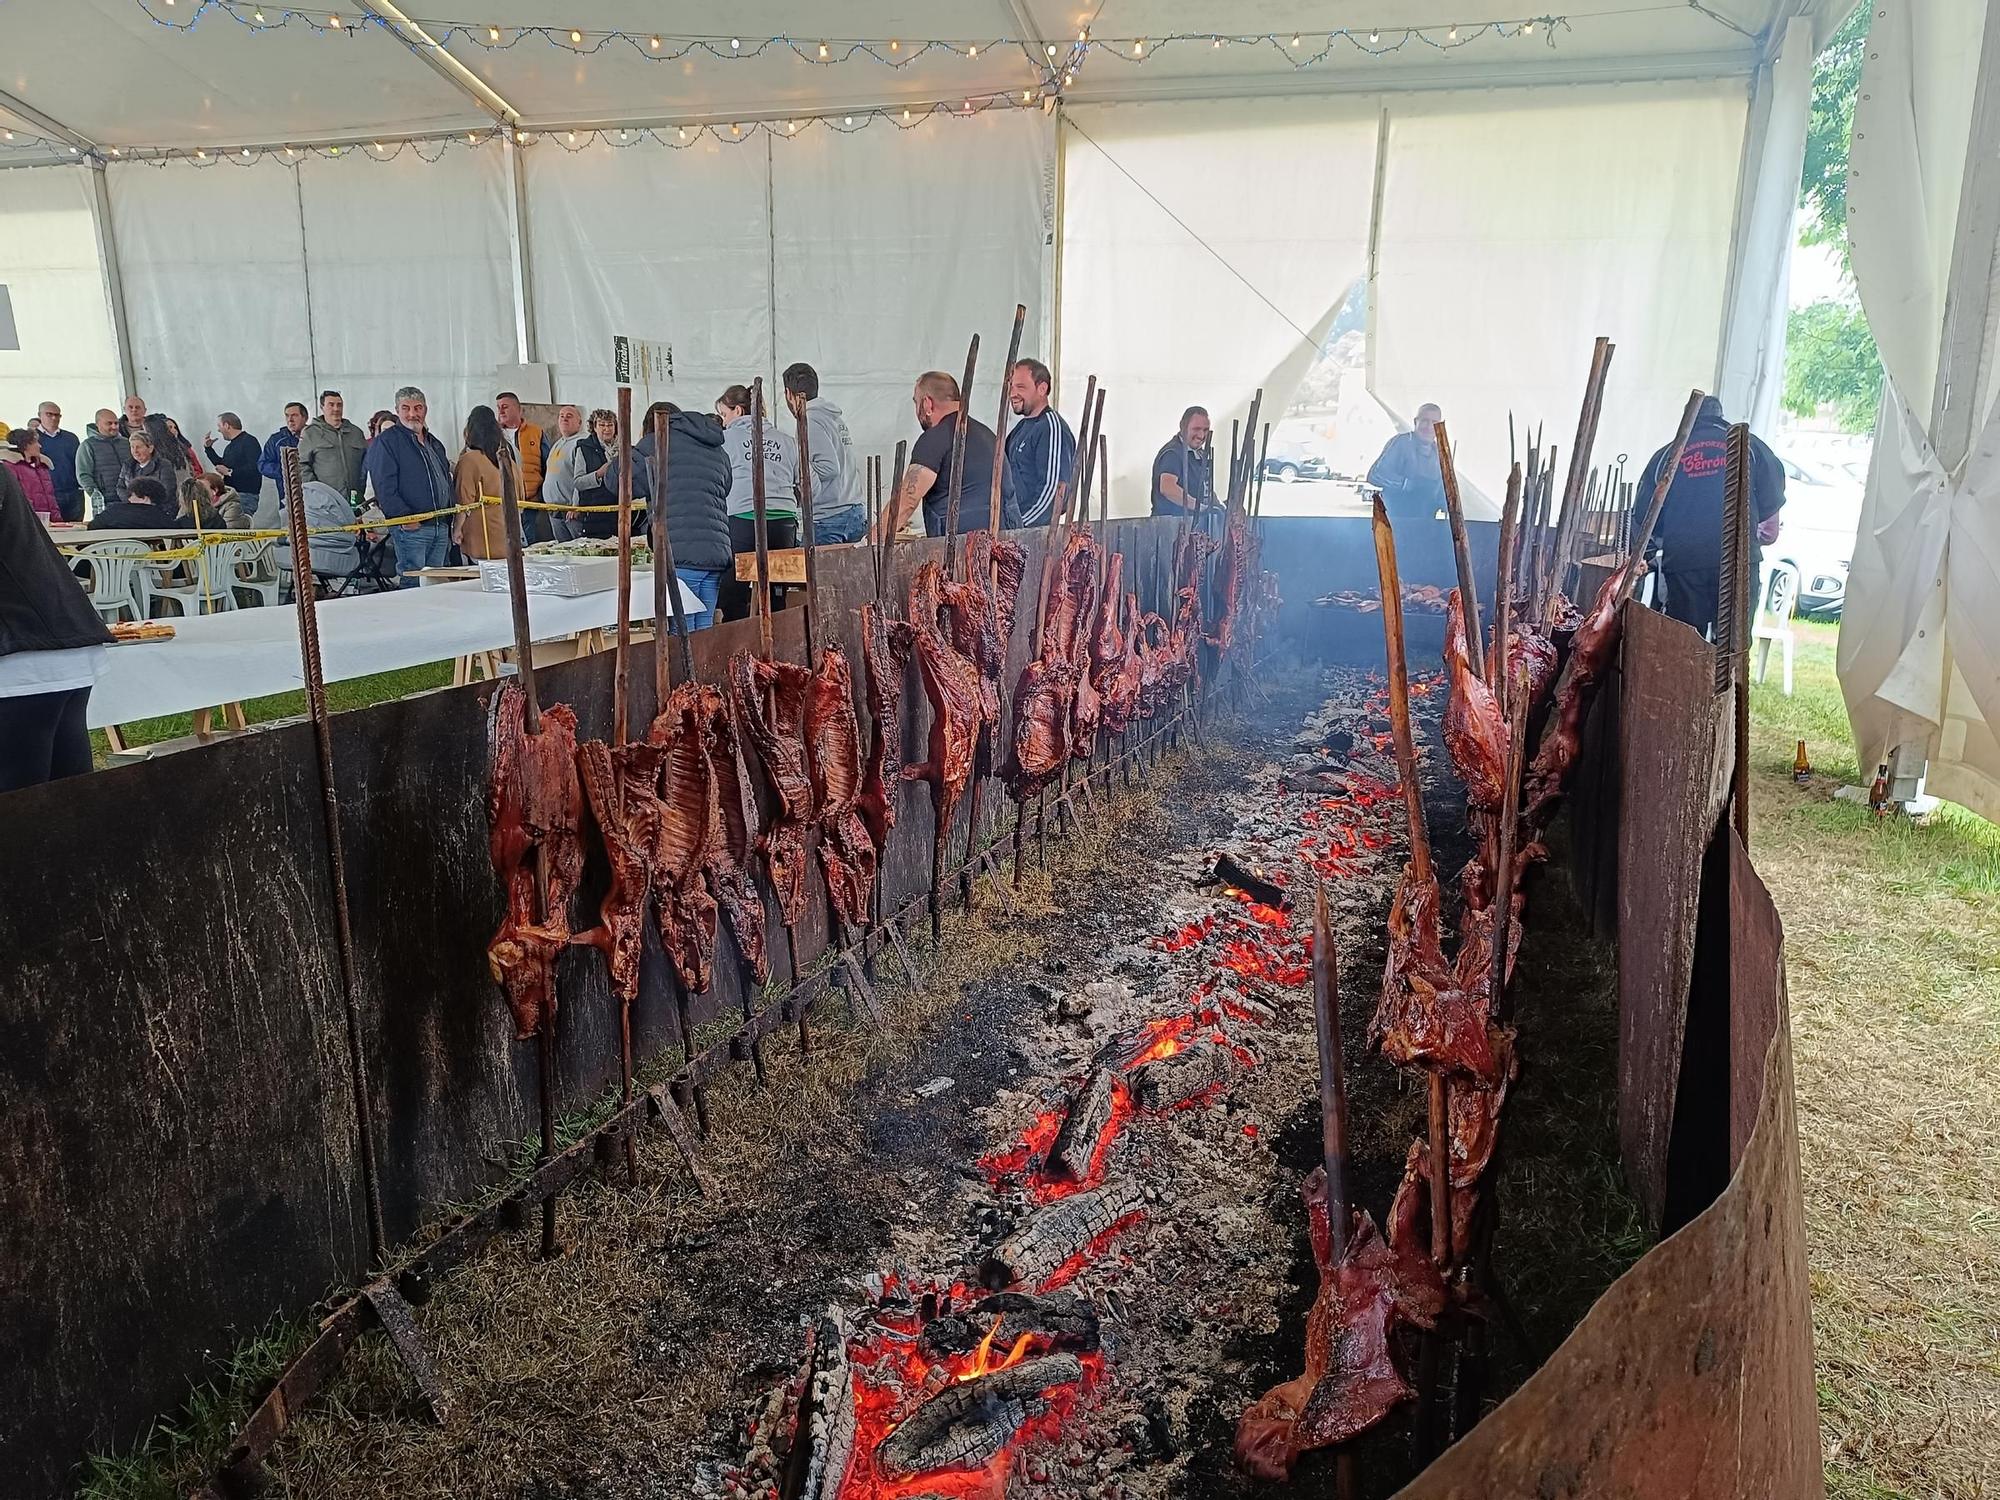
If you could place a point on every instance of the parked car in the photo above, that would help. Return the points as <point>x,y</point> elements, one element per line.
<point>1292,464</point>
<point>1821,516</point>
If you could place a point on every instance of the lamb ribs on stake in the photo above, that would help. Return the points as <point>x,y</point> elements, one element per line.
<point>684,903</point>
<point>533,802</point>
<point>777,735</point>
<point>886,645</point>
<point>952,684</point>
<point>1351,1381</point>
<point>622,788</point>
<point>847,854</point>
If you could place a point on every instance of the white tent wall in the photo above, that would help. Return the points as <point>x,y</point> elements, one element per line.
<point>1207,247</point>
<point>215,279</point>
<point>1516,225</point>
<point>409,270</point>
<point>894,246</point>
<point>651,243</point>
<point>1919,654</point>
<point>55,280</point>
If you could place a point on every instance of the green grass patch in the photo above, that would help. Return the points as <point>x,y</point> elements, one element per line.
<point>355,692</point>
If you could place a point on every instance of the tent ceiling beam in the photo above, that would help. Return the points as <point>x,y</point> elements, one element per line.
<point>433,55</point>
<point>27,112</point>
<point>1662,68</point>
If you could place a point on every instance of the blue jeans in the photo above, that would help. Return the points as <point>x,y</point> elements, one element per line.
<point>424,545</point>
<point>703,584</point>
<point>843,525</point>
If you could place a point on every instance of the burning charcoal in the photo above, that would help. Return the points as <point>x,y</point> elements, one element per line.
<point>1084,1127</point>
<point>1036,1250</point>
<point>1176,1079</point>
<point>969,1422</point>
<point>823,1441</point>
<point>1064,1320</point>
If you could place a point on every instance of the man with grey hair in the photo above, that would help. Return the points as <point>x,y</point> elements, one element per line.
<point>332,450</point>
<point>411,474</point>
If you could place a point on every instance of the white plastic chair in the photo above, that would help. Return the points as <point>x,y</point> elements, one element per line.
<point>114,572</point>
<point>259,575</point>
<point>1778,582</point>
<point>211,585</point>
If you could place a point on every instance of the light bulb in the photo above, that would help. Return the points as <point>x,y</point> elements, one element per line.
<point>374,145</point>
<point>333,22</point>
<point>493,33</point>
<point>1068,79</point>
<point>246,153</point>
<point>684,132</point>
<point>906,114</point>
<point>736,130</point>
<point>1374,37</point>
<point>114,150</point>
<point>1027,96</point>
<point>575,37</point>
<point>1138,49</point>
<point>850,120</point>
<point>1527,28</point>
<point>200,154</point>
<point>972,52</point>
<point>258,17</point>
<point>791,126</point>
<point>968,106</point>
<point>470,140</point>
<point>1296,40</point>
<point>654,43</point>
<point>520,137</point>
<point>1215,42</point>
<point>572,137</point>
<point>1451,35</point>
<point>735,44</point>
<point>1083,35</point>
<point>1052,49</point>
<point>895,46</point>
<point>822,49</point>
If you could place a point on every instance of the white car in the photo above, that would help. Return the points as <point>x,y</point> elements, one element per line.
<point>1821,516</point>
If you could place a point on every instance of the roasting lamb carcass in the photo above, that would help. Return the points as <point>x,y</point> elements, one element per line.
<point>847,854</point>
<point>1351,1381</point>
<point>684,905</point>
<point>952,684</point>
<point>1042,700</point>
<point>1475,734</point>
<point>777,734</point>
<point>622,788</point>
<point>733,838</point>
<point>1590,654</point>
<point>533,802</point>
<point>886,645</point>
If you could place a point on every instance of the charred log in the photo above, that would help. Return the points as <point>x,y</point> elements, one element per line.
<point>967,1424</point>
<point>1062,1320</point>
<point>823,1440</point>
<point>1176,1079</point>
<point>1230,871</point>
<point>1037,1250</point>
<point>1084,1127</point>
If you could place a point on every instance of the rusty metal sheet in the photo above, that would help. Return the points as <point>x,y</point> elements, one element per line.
<point>1672,731</point>
<point>1693,1373</point>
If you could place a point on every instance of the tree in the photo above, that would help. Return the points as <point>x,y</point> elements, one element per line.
<point>1823,184</point>
<point>1831,361</point>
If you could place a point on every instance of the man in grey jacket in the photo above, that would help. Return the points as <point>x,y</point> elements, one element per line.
<point>100,458</point>
<point>332,450</point>
<point>839,514</point>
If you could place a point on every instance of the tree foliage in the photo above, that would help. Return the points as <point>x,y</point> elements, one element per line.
<point>1831,362</point>
<point>1836,81</point>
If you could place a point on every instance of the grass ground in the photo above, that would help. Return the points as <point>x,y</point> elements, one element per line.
<point>1892,936</point>
<point>356,693</point>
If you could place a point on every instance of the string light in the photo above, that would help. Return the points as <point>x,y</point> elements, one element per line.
<point>892,53</point>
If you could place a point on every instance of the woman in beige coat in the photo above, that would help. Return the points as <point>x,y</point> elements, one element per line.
<point>481,533</point>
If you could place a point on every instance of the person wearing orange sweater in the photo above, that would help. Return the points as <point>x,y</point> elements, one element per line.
<point>531,459</point>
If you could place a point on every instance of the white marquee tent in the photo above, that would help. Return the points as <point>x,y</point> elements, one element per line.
<point>230,212</point>
<point>1920,652</point>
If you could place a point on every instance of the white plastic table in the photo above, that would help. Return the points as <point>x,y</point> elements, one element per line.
<point>251,653</point>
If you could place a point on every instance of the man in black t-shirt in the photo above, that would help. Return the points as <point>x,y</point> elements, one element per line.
<point>1689,536</point>
<point>1184,470</point>
<point>927,482</point>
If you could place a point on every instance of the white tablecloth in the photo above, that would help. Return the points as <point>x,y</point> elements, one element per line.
<point>251,653</point>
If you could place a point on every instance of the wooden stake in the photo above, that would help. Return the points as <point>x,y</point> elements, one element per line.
<point>1503,589</point>
<point>1644,533</point>
<point>761,519</point>
<point>957,476</point>
<point>1468,591</point>
<point>1399,692</point>
<point>1332,1072</point>
<point>621,676</point>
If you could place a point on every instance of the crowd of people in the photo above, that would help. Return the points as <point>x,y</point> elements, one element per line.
<point>139,470</point>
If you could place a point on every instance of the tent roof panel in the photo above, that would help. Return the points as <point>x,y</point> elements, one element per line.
<point>132,76</point>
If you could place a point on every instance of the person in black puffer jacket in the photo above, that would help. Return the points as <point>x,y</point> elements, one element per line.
<point>697,499</point>
<point>51,650</point>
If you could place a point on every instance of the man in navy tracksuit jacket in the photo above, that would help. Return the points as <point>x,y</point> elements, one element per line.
<point>411,476</point>
<point>1041,450</point>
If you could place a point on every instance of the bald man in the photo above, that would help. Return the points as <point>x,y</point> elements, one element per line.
<point>1407,472</point>
<point>927,482</point>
